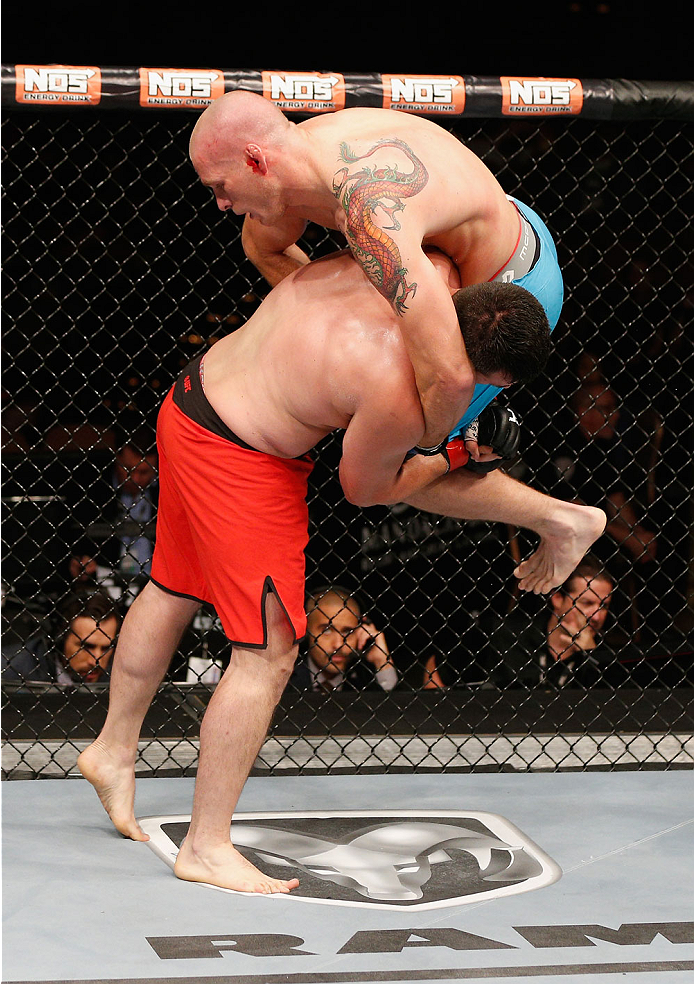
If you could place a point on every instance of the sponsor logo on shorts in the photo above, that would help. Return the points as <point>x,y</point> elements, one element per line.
<point>389,859</point>
<point>540,97</point>
<point>424,93</point>
<point>302,92</point>
<point>58,85</point>
<point>179,88</point>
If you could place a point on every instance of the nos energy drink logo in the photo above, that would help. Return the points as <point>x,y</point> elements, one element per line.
<point>58,85</point>
<point>540,97</point>
<point>179,88</point>
<point>424,93</point>
<point>303,92</point>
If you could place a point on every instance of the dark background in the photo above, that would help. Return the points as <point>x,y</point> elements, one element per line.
<point>116,258</point>
<point>581,38</point>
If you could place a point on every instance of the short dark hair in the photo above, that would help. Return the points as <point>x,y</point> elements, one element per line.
<point>591,569</point>
<point>505,330</point>
<point>97,605</point>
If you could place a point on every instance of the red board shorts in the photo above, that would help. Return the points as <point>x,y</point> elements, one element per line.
<point>232,523</point>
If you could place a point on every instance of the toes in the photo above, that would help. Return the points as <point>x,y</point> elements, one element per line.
<point>129,828</point>
<point>284,887</point>
<point>528,582</point>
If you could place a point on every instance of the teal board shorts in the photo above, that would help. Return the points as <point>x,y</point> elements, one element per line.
<point>544,281</point>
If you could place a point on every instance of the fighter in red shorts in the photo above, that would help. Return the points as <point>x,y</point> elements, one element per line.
<point>323,352</point>
<point>233,522</point>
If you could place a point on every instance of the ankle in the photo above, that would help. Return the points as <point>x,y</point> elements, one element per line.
<point>555,521</point>
<point>119,754</point>
<point>199,847</point>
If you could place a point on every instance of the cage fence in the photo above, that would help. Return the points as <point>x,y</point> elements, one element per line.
<point>119,269</point>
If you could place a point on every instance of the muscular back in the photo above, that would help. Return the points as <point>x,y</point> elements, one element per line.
<point>321,346</point>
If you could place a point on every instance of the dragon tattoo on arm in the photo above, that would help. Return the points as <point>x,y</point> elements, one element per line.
<point>360,194</point>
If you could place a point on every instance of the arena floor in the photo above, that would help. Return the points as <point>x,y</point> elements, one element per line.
<point>83,904</point>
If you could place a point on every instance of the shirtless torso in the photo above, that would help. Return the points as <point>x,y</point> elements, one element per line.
<point>393,184</point>
<point>324,352</point>
<point>461,208</point>
<point>282,390</point>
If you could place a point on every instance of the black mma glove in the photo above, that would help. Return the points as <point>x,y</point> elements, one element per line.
<point>499,428</point>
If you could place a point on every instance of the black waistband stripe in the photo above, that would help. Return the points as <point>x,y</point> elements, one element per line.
<point>189,396</point>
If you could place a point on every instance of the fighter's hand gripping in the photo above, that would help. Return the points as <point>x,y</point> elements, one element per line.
<point>496,427</point>
<point>454,451</point>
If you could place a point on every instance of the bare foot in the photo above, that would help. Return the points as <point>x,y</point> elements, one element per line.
<point>226,868</point>
<point>115,786</point>
<point>566,538</point>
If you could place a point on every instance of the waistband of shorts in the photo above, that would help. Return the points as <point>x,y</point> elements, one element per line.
<point>538,243</point>
<point>189,397</point>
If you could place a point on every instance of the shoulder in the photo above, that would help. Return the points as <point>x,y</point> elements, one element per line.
<point>523,631</point>
<point>369,358</point>
<point>370,126</point>
<point>385,389</point>
<point>26,661</point>
<point>356,118</point>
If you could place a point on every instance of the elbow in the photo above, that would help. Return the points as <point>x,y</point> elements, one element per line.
<point>453,383</point>
<point>365,497</point>
<point>362,499</point>
<point>461,380</point>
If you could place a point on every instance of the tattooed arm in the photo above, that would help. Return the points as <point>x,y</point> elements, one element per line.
<point>388,245</point>
<point>272,249</point>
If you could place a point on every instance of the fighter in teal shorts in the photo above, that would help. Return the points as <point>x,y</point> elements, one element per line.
<point>534,266</point>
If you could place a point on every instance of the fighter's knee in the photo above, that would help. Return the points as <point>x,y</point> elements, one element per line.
<point>279,671</point>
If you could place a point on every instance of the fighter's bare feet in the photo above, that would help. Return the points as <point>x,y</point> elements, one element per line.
<point>564,539</point>
<point>115,786</point>
<point>226,868</point>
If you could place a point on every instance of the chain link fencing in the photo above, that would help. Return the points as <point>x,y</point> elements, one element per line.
<point>119,269</point>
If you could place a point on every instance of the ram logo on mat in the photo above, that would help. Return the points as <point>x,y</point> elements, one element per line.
<point>386,859</point>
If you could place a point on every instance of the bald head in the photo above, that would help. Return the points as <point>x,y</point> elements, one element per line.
<point>239,147</point>
<point>230,123</point>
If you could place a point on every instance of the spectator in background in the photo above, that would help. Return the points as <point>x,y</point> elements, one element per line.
<point>608,465</point>
<point>134,479</point>
<point>82,566</point>
<point>24,639</point>
<point>562,647</point>
<point>588,368</point>
<point>345,649</point>
<point>81,652</point>
<point>109,501</point>
<point>606,457</point>
<point>87,640</point>
<point>79,571</point>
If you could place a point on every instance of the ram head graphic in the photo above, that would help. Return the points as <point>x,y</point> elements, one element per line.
<point>388,862</point>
